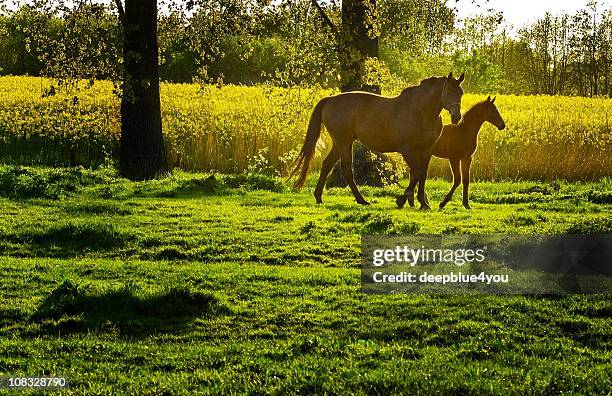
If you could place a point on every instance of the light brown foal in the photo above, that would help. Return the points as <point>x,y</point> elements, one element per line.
<point>458,143</point>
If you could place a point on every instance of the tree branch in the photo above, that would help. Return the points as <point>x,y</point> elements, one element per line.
<point>326,19</point>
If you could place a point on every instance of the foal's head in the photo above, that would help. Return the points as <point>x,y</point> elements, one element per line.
<point>491,114</point>
<point>451,96</point>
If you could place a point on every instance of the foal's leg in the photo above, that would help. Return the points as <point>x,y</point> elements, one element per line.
<point>409,192</point>
<point>328,164</point>
<point>466,163</point>
<point>454,164</point>
<point>346,163</point>
<point>424,164</point>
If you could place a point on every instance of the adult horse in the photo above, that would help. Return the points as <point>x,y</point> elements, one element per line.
<point>409,124</point>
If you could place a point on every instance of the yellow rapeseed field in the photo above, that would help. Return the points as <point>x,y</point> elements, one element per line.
<point>260,129</point>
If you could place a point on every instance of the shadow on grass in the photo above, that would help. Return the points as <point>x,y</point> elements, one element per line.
<point>198,186</point>
<point>64,239</point>
<point>129,310</point>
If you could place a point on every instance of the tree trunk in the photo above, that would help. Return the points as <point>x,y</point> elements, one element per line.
<point>141,155</point>
<point>359,43</point>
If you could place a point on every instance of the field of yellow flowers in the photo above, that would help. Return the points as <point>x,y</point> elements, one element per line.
<point>233,129</point>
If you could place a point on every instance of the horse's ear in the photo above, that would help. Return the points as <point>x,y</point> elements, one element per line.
<point>461,78</point>
<point>489,98</point>
<point>493,101</point>
<point>450,75</point>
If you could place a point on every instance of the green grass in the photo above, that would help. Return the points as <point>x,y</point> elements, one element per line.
<point>234,284</point>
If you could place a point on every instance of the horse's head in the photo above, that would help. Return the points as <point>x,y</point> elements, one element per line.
<point>451,96</point>
<point>492,114</point>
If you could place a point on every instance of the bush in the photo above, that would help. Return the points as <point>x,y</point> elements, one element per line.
<point>22,182</point>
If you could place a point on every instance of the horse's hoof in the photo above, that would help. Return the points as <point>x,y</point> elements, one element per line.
<point>319,202</point>
<point>411,202</point>
<point>401,201</point>
<point>425,208</point>
<point>364,203</point>
<point>467,206</point>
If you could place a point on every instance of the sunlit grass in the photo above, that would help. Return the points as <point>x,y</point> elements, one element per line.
<point>207,284</point>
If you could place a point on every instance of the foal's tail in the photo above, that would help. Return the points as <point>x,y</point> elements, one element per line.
<point>304,160</point>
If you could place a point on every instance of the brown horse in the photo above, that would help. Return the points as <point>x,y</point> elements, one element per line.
<point>409,124</point>
<point>458,143</point>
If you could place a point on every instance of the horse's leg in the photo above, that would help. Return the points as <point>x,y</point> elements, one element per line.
<point>454,164</point>
<point>346,163</point>
<point>328,164</point>
<point>424,165</point>
<point>466,163</point>
<point>425,192</point>
<point>414,180</point>
<point>409,192</point>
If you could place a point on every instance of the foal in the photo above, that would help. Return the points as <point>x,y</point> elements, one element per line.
<point>458,143</point>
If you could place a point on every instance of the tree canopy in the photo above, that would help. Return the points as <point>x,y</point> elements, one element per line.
<point>290,43</point>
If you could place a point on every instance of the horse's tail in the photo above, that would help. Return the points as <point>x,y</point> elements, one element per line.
<point>304,160</point>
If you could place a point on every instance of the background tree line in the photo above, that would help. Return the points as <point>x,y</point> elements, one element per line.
<point>291,42</point>
<point>556,55</point>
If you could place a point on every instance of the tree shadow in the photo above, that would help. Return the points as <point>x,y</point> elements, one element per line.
<point>65,239</point>
<point>128,310</point>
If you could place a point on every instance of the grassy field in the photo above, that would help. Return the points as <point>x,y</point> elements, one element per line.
<point>235,129</point>
<point>233,284</point>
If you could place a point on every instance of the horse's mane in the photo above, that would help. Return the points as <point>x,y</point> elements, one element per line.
<point>430,80</point>
<point>423,83</point>
<point>474,110</point>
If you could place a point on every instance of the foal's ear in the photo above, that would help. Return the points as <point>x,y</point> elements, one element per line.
<point>489,98</point>
<point>450,75</point>
<point>493,101</point>
<point>461,78</point>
